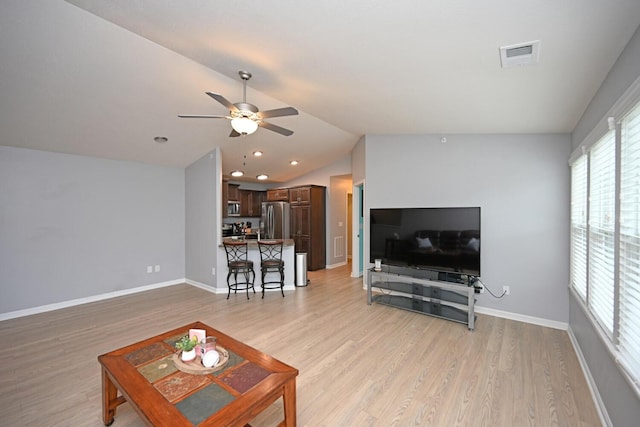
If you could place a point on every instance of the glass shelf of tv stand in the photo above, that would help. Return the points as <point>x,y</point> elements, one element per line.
<point>420,291</point>
<point>418,305</point>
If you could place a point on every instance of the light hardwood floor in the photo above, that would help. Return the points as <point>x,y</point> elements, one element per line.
<point>359,365</point>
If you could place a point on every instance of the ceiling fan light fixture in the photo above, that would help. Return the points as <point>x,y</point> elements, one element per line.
<point>237,173</point>
<point>243,125</point>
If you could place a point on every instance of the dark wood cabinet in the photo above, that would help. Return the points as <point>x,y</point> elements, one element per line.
<point>244,202</point>
<point>225,198</point>
<point>256,201</point>
<point>278,195</point>
<point>230,192</point>
<point>233,192</point>
<point>300,195</point>
<point>308,223</point>
<point>251,202</point>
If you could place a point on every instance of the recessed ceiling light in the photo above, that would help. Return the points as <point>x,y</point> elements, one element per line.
<point>237,173</point>
<point>293,162</point>
<point>160,139</point>
<point>257,153</point>
<point>262,177</point>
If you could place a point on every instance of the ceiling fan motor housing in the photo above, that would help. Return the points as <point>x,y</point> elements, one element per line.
<point>249,111</point>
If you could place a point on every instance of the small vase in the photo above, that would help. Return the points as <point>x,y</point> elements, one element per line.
<point>188,356</point>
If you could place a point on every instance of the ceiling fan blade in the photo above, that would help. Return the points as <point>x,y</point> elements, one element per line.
<point>278,112</point>
<point>233,133</point>
<point>222,100</point>
<point>200,116</point>
<point>274,128</point>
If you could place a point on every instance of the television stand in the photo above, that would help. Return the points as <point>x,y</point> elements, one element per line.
<point>446,295</point>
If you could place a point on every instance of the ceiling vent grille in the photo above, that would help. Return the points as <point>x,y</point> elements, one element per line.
<point>518,55</point>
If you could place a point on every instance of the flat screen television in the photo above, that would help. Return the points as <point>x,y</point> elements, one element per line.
<point>439,239</point>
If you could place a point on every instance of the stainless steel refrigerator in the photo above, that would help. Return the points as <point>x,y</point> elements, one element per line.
<point>274,223</point>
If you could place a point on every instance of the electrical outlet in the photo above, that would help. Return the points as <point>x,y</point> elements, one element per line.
<point>149,269</point>
<point>213,271</point>
<point>506,290</point>
<point>157,269</point>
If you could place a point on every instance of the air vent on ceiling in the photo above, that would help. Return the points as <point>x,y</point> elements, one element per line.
<point>520,54</point>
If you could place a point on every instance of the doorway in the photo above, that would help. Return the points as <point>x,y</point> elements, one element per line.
<point>357,266</point>
<point>349,227</point>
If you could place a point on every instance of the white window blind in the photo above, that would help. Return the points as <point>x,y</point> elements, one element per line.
<point>629,258</point>
<point>579,226</point>
<point>602,231</point>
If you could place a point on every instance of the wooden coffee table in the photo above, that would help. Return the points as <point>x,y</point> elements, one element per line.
<point>145,375</point>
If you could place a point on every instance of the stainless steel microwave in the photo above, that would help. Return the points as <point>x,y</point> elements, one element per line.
<point>233,208</point>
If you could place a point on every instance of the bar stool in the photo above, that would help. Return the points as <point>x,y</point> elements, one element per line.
<point>238,263</point>
<point>271,262</point>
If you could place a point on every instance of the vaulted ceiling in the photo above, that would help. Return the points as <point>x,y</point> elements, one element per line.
<point>103,78</point>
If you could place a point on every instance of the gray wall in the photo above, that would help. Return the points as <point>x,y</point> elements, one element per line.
<point>621,402</point>
<point>202,204</point>
<point>358,162</point>
<point>624,72</point>
<point>521,183</point>
<point>73,227</point>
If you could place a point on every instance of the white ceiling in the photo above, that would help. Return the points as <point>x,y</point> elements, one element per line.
<point>75,83</point>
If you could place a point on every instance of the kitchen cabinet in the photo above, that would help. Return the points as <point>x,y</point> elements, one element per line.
<point>225,198</point>
<point>251,202</point>
<point>278,195</point>
<point>233,193</point>
<point>308,223</point>
<point>258,198</point>
<point>300,195</point>
<point>230,193</point>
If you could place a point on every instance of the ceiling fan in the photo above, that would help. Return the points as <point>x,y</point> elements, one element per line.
<point>245,118</point>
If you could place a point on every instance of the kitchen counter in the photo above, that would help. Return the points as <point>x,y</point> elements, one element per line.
<point>253,243</point>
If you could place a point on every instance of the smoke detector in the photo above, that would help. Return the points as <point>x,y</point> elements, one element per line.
<point>518,55</point>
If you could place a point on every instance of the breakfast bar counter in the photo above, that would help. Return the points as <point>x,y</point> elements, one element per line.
<point>253,243</point>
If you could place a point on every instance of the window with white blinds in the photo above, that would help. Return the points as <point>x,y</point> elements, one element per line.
<point>601,252</point>
<point>605,237</point>
<point>628,335</point>
<point>579,226</point>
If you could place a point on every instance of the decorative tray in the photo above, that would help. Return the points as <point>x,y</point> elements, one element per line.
<point>195,366</point>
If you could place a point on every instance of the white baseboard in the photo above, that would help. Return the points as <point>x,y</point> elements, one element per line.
<point>593,388</point>
<point>94,298</point>
<point>224,290</point>
<point>340,264</point>
<point>523,318</point>
<point>205,287</point>
<point>79,301</point>
<point>505,314</point>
